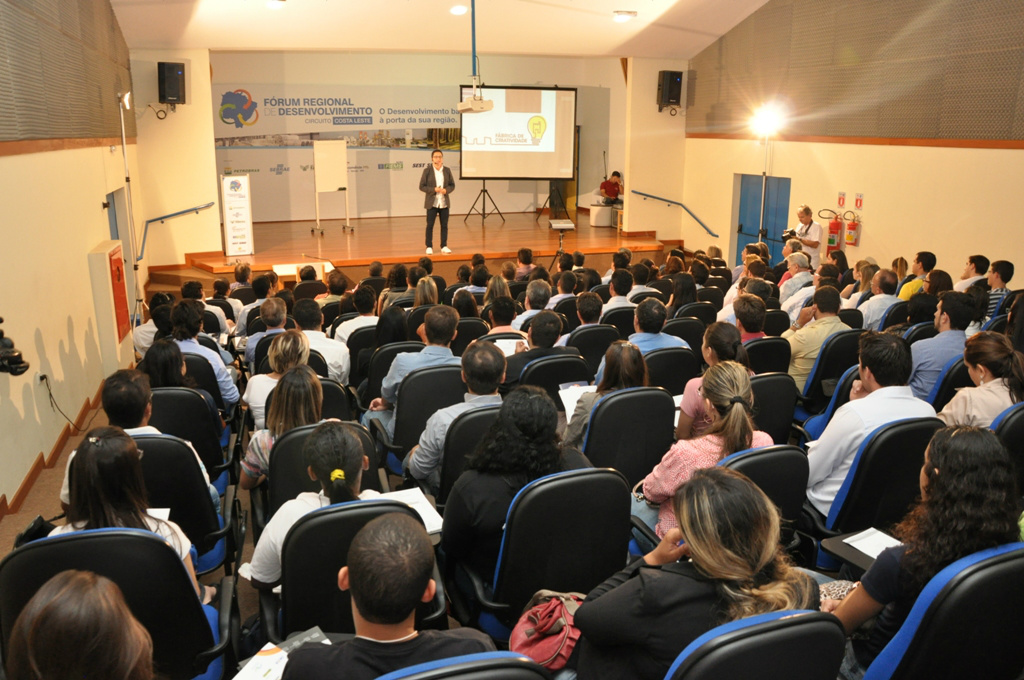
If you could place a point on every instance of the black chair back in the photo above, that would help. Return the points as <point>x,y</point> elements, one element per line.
<point>208,342</point>
<point>551,371</point>
<point>250,319</point>
<point>776,322</point>
<point>705,311</point>
<point>404,303</point>
<point>853,318</point>
<point>713,296</point>
<point>722,273</point>
<point>567,308</point>
<point>463,436</point>
<point>449,293</point>
<point>921,331</point>
<point>785,645</point>
<point>261,352</point>
<point>953,377</point>
<point>768,355</point>
<point>245,294</point>
<point>145,567</point>
<point>468,330</point>
<point>336,400</point>
<point>515,288</point>
<point>339,319</point>
<point>592,342</point>
<point>718,262</point>
<point>633,450</point>
<point>718,282</point>
<point>622,319</point>
<point>575,554</point>
<point>662,285</point>
<point>317,362</point>
<point>224,306</point>
<point>897,313</point>
<point>439,282</point>
<point>211,324</point>
<point>423,392</point>
<point>415,317</point>
<point>1007,302</point>
<point>640,297</point>
<point>183,412</point>
<point>690,329</point>
<point>378,283</point>
<point>309,593</point>
<point>672,368</point>
<point>199,369</point>
<point>781,471</point>
<point>358,340</point>
<point>307,290</point>
<point>775,397</point>
<point>839,352</point>
<point>997,324</point>
<point>380,364</point>
<point>561,317</point>
<point>884,479</point>
<point>330,312</point>
<point>1009,427</point>
<point>603,291</point>
<point>287,476</point>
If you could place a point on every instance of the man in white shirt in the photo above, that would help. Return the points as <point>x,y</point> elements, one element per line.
<point>798,300</point>
<point>801,275</point>
<point>538,292</point>
<point>261,287</point>
<point>145,334</point>
<point>809,233</point>
<point>976,270</point>
<point>881,396</point>
<point>566,286</point>
<point>883,296</point>
<point>365,300</point>
<point>620,260</point>
<point>193,290</point>
<point>641,274</point>
<point>588,309</point>
<point>436,183</point>
<point>310,320</point>
<point>621,284</point>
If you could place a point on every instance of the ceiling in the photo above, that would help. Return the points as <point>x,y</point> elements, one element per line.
<point>664,29</point>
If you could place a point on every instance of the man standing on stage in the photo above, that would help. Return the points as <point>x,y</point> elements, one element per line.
<point>437,182</point>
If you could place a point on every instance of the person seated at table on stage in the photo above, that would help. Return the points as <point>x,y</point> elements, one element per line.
<point>611,190</point>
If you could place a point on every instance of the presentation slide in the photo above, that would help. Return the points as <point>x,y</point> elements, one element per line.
<point>529,134</point>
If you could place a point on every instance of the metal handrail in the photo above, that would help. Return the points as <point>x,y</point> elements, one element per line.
<point>671,202</point>
<point>163,218</point>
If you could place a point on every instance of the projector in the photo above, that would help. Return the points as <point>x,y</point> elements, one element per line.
<point>475,105</point>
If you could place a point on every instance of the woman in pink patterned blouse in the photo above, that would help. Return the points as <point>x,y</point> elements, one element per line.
<point>721,343</point>
<point>728,400</point>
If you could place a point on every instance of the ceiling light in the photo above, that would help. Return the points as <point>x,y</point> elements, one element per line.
<point>622,16</point>
<point>768,120</point>
<point>459,10</point>
<point>125,100</point>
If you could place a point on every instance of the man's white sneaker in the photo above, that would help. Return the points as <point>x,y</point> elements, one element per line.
<point>446,250</point>
<point>430,251</point>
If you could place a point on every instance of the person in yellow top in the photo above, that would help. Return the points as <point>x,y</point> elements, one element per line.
<point>814,325</point>
<point>924,262</point>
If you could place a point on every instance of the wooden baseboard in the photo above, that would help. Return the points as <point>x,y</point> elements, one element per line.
<point>26,484</point>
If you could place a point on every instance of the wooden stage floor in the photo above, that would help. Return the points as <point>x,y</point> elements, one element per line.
<point>401,239</point>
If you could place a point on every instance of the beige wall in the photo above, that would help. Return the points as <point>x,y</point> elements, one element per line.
<point>655,152</point>
<point>52,216</point>
<point>177,167</point>
<point>953,202</point>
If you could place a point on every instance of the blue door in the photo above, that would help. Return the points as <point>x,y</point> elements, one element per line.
<point>776,212</point>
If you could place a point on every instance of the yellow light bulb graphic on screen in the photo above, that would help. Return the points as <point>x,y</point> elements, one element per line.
<point>537,125</point>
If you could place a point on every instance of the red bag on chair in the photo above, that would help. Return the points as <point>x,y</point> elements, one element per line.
<point>545,632</point>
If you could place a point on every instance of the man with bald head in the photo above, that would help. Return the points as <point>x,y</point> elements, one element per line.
<point>883,296</point>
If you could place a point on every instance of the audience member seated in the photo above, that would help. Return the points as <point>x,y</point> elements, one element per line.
<point>193,290</point>
<point>298,399</point>
<point>936,282</point>
<point>838,258</point>
<point>437,332</point>
<point>391,327</point>
<point>520,447</point>
<point>880,396</point>
<point>463,273</point>
<point>721,563</point>
<point>566,288</point>
<point>923,263</point>
<point>621,284</point>
<point>478,280</point>
<point>860,290</point>
<point>800,276</point>
<point>591,279</point>
<point>483,369</point>
<point>107,491</point>
<point>998,372</point>
<point>900,266</point>
<point>624,367</point>
<point>242,274</point>
<point>673,265</point>
<point>275,283</point>
<point>508,270</point>
<point>334,457</point>
<point>408,295</point>
<point>750,313</point>
<point>641,275</point>
<point>310,319</point>
<point>465,304</point>
<point>221,289</point>
<point>524,264</point>
<point>684,292</point>
<point>287,350</point>
<point>274,314</point>
<point>336,285</point>
<point>165,367</point>
<point>999,275</point>
<point>952,316</point>
<point>740,270</point>
<point>729,402</point>
<point>588,311</point>
<point>750,285</point>
<point>722,342</point>
<point>78,626</point>
<point>289,300</point>
<point>620,261</point>
<point>376,268</point>
<point>975,270</point>
<point>540,342</point>
<point>781,270</point>
<point>578,260</point>
<point>537,295</point>
<point>827,274</point>
<point>565,262</point>
<point>128,403</point>
<point>920,309</point>
<point>365,299</point>
<point>427,264</point>
<point>500,316</point>
<point>1015,324</point>
<point>397,285</point>
<point>390,564</point>
<point>969,502</point>
<point>261,288</point>
<point>497,287</point>
<point>425,293</point>
<point>883,296</point>
<point>648,320</point>
<point>979,297</point>
<point>815,325</point>
<point>187,317</point>
<point>145,334</point>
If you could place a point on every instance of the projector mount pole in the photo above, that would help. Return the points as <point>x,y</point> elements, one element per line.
<point>476,95</point>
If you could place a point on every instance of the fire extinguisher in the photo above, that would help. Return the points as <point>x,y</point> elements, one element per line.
<point>852,228</point>
<point>835,229</point>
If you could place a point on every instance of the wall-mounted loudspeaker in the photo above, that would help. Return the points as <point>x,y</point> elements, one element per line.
<point>670,88</point>
<point>171,82</point>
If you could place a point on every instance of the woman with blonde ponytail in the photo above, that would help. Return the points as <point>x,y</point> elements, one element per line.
<point>998,371</point>
<point>729,401</point>
<point>721,563</point>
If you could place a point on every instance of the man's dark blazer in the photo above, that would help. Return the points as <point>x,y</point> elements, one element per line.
<point>517,362</point>
<point>427,185</point>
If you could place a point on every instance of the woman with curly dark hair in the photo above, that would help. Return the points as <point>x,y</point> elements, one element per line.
<point>969,502</point>
<point>520,447</point>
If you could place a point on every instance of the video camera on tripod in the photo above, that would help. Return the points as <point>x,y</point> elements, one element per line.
<point>11,360</point>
